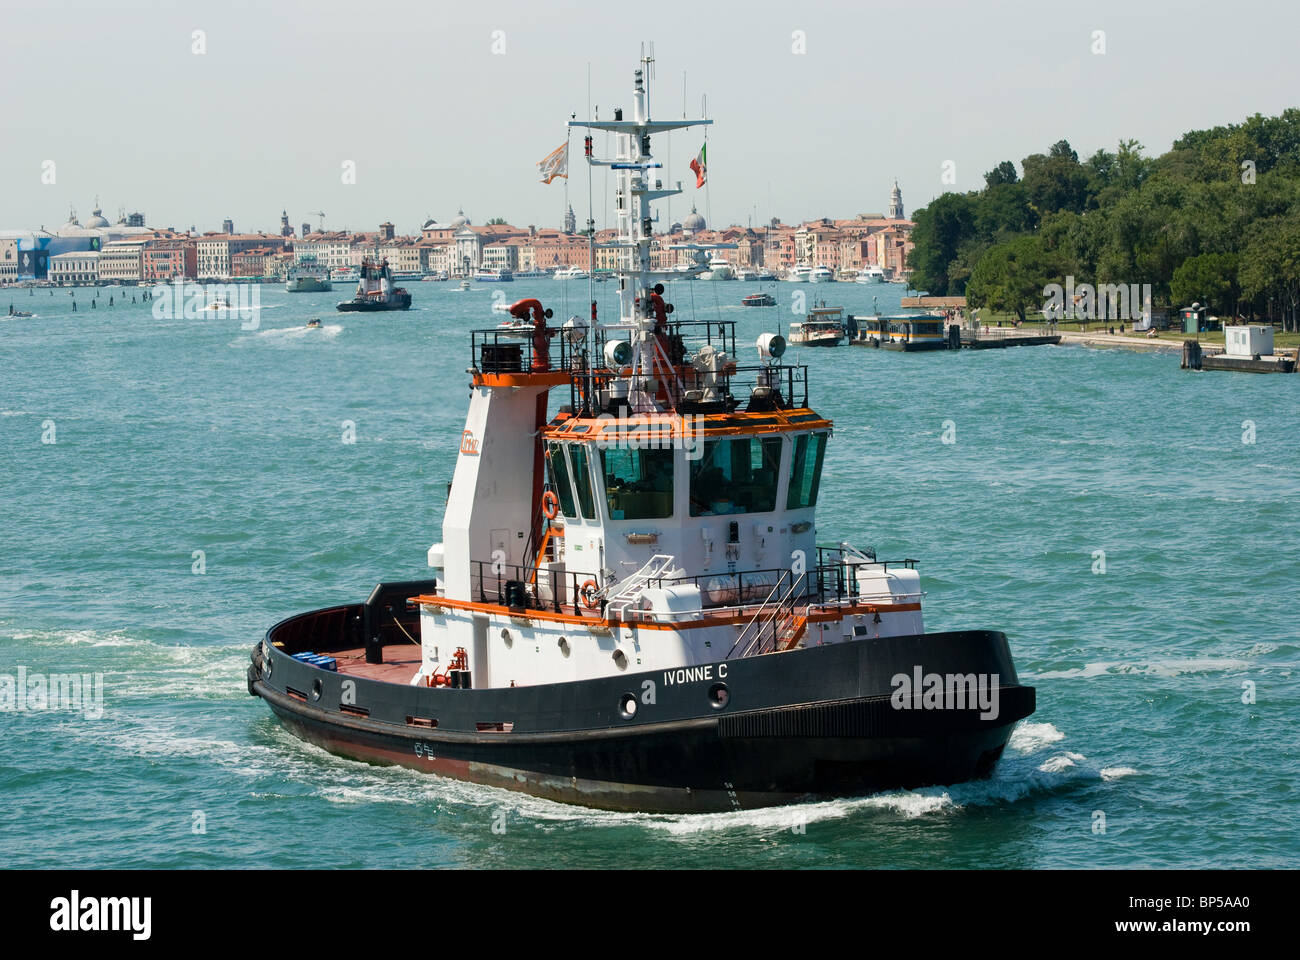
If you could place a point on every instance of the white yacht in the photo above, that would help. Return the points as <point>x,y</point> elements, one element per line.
<point>871,275</point>
<point>821,274</point>
<point>571,273</point>
<point>798,273</point>
<point>719,269</point>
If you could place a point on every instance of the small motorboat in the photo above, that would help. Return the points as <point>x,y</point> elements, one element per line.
<point>759,300</point>
<point>313,323</point>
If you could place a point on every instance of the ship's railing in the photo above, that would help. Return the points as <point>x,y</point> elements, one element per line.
<point>687,389</point>
<point>530,587</point>
<point>512,350</point>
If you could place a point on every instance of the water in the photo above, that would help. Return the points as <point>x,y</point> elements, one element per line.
<point>175,436</point>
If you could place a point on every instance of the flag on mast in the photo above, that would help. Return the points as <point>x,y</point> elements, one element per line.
<point>701,167</point>
<point>556,164</point>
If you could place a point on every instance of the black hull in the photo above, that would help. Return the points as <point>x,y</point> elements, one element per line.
<point>373,306</point>
<point>817,722</point>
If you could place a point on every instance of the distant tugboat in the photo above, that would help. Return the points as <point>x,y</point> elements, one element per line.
<point>375,291</point>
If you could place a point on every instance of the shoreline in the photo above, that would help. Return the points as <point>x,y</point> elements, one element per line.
<point>1121,341</point>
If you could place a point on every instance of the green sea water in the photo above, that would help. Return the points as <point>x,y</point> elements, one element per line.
<point>1132,528</point>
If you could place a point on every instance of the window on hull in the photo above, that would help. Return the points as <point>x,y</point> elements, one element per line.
<point>736,476</point>
<point>805,470</point>
<point>638,483</point>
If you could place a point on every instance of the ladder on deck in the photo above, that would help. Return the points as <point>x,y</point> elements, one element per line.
<point>779,623</point>
<point>629,591</point>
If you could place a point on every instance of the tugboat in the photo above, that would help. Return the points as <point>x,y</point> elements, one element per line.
<point>375,291</point>
<point>629,608</point>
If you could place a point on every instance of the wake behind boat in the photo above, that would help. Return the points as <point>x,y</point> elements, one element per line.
<point>629,608</point>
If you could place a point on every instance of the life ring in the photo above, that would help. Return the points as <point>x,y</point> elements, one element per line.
<point>550,505</point>
<point>590,595</point>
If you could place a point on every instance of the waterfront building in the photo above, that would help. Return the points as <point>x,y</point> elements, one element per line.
<point>122,261</point>
<point>330,249</point>
<point>169,257</point>
<point>75,268</point>
<point>8,259</point>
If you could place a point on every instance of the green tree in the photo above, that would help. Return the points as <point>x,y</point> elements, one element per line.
<point>1010,277</point>
<point>941,229</point>
<point>1210,279</point>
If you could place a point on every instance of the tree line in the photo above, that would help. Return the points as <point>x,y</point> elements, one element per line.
<point>1216,219</point>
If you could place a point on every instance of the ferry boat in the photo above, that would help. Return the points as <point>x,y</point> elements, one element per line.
<point>307,276</point>
<point>494,275</point>
<point>823,327</point>
<point>908,332</point>
<point>345,275</point>
<point>759,300</point>
<point>629,608</point>
<point>375,291</point>
<point>532,275</point>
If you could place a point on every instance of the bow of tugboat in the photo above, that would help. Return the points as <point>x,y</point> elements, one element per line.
<point>630,608</point>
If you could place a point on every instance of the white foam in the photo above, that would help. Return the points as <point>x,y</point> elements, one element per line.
<point>1110,774</point>
<point>1031,737</point>
<point>1162,668</point>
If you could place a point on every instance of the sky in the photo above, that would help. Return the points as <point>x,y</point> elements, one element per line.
<point>818,106</point>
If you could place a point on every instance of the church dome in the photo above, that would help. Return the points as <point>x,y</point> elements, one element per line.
<point>460,219</point>
<point>97,221</point>
<point>693,223</point>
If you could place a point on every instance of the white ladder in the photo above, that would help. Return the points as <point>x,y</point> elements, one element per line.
<point>630,590</point>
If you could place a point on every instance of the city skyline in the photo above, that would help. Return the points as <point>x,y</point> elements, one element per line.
<point>465,102</point>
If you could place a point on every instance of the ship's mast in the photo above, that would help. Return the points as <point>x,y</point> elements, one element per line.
<point>637,185</point>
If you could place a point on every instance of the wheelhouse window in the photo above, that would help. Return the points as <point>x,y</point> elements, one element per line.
<point>582,481</point>
<point>559,466</point>
<point>736,476</point>
<point>805,470</point>
<point>638,483</point>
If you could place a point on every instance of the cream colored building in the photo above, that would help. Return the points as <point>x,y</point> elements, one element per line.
<point>122,261</point>
<point>81,266</point>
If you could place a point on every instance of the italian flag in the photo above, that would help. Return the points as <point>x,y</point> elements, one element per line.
<point>701,167</point>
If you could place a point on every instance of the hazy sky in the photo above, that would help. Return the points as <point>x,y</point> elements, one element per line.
<point>413,93</point>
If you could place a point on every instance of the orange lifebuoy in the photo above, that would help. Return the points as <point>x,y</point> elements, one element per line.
<point>550,505</point>
<point>589,592</point>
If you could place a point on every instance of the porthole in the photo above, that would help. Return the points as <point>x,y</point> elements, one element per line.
<point>565,649</point>
<point>620,659</point>
<point>718,695</point>
<point>317,688</point>
<point>627,706</point>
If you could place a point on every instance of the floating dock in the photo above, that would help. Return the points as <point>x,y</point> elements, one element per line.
<point>1249,350</point>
